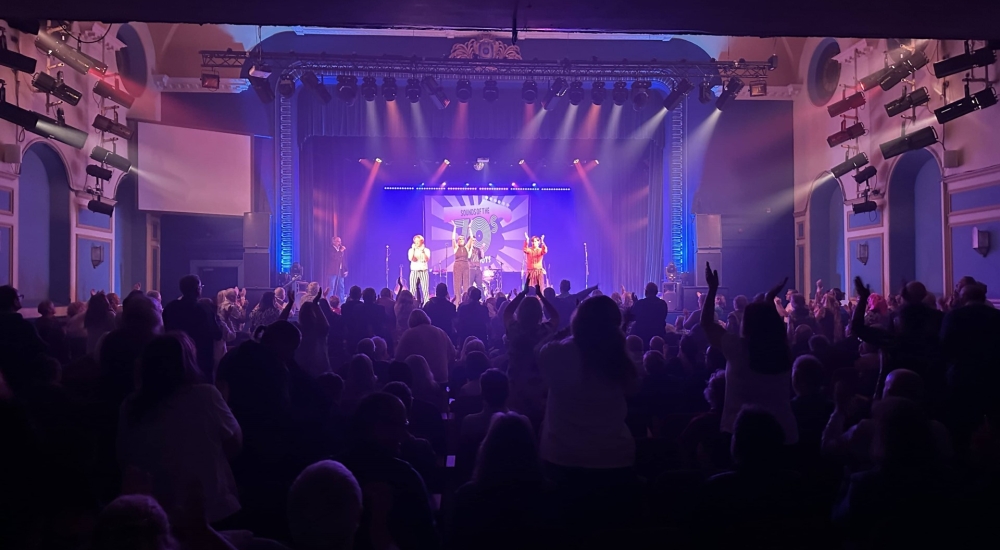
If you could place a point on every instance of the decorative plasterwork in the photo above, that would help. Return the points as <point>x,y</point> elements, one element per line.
<point>175,84</point>
<point>484,47</point>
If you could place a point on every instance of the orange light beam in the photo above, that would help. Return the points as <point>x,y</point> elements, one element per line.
<point>436,176</point>
<point>600,210</point>
<point>527,170</point>
<point>359,208</point>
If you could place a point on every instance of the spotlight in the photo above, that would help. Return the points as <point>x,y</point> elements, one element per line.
<point>58,130</point>
<point>576,161</point>
<point>210,81</point>
<point>311,81</point>
<point>865,174</point>
<point>56,87</point>
<point>871,81</point>
<point>965,62</point>
<point>758,88</point>
<point>27,26</point>
<point>114,93</point>
<point>619,94</point>
<point>575,93</point>
<point>369,89</point>
<point>436,92</point>
<point>101,207</point>
<point>104,156</point>
<point>490,91</point>
<point>969,103</point>
<point>853,131</point>
<point>864,207</point>
<point>347,88</point>
<point>80,62</point>
<point>14,60</point>
<point>389,88</point>
<point>260,70</point>
<point>596,161</point>
<point>598,93</point>
<point>529,91</point>
<point>520,161</point>
<point>446,161</point>
<point>262,88</point>
<point>853,163</point>
<point>378,160</point>
<point>908,101</point>
<point>463,91</point>
<point>99,172</point>
<point>533,184</point>
<point>923,137</point>
<point>705,94</point>
<point>286,85</point>
<point>556,89</point>
<point>855,101</point>
<point>680,91</point>
<point>733,88</point>
<point>640,94</point>
<point>902,69</point>
<point>105,124</point>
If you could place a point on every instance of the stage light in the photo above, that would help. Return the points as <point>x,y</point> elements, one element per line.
<point>27,26</point>
<point>853,131</point>
<point>347,88</point>
<point>262,88</point>
<point>902,69</point>
<point>56,87</point>
<point>463,91</point>
<point>99,172</point>
<point>731,90</point>
<point>965,62</point>
<point>389,88</point>
<point>259,70</point>
<point>211,81</point>
<point>534,185</point>
<point>596,161</point>
<point>436,92</point>
<point>114,93</point>
<point>369,89</point>
<point>758,88</point>
<point>968,104</point>
<point>908,101</point>
<point>104,156</point>
<point>556,90</point>
<point>575,93</point>
<point>14,60</point>
<point>286,85</point>
<point>491,92</point>
<point>923,137</point>
<point>640,94</point>
<point>529,91</point>
<point>378,160</point>
<point>598,93</point>
<point>871,81</point>
<point>520,161</point>
<point>864,207</point>
<point>105,124</point>
<point>677,95</point>
<point>855,101</point>
<point>853,163</point>
<point>80,62</point>
<point>446,161</point>
<point>619,94</point>
<point>58,130</point>
<point>99,207</point>
<point>311,81</point>
<point>413,90</point>
<point>705,94</point>
<point>865,174</point>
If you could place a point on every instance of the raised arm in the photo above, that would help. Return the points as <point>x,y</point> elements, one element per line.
<point>288,307</point>
<point>549,309</point>
<point>545,248</point>
<point>712,329</point>
<point>527,243</point>
<point>454,237</point>
<point>508,314</point>
<point>579,296</point>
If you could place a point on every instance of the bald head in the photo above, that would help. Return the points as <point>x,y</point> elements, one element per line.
<point>904,383</point>
<point>914,292</point>
<point>324,507</point>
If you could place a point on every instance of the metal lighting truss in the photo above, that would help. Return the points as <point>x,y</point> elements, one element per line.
<point>486,69</point>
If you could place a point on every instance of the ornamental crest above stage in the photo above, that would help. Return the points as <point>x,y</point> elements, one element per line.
<point>484,46</point>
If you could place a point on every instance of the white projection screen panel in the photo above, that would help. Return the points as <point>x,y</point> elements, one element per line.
<point>193,171</point>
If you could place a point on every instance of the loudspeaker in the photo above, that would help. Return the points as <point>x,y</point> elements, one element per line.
<point>708,230</point>
<point>257,268</point>
<point>257,230</point>
<point>713,257</point>
<point>254,295</point>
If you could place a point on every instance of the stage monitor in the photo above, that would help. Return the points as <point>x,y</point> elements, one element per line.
<point>193,171</point>
<point>498,223</point>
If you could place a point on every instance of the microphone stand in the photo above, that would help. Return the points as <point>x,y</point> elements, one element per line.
<point>386,266</point>
<point>586,267</point>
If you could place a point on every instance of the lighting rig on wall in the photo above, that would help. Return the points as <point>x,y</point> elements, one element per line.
<point>969,61</point>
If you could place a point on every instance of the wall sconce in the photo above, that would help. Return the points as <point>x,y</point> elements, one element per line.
<point>863,253</point>
<point>981,241</point>
<point>96,255</point>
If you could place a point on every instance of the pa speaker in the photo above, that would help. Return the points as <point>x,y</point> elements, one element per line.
<point>713,257</point>
<point>257,268</point>
<point>257,230</point>
<point>708,231</point>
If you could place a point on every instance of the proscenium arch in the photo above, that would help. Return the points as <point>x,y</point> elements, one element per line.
<point>916,221</point>
<point>44,231</point>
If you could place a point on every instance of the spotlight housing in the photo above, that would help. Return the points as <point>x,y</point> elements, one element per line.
<point>56,46</point>
<point>14,60</point>
<point>463,91</point>
<point>436,92</point>
<point>369,89</point>
<point>640,94</point>
<point>923,137</point>
<point>99,207</point>
<point>491,92</point>
<point>311,81</point>
<point>389,88</point>
<point>114,93</point>
<point>853,163</point>
<point>705,94</point>
<point>758,88</point>
<point>902,69</point>
<point>99,172</point>
<point>907,101</point>
<point>347,88</point>
<point>58,130</point>
<point>864,207</point>
<point>853,131</point>
<point>262,88</point>
<point>56,87</point>
<point>105,124</point>
<point>529,91</point>
<point>102,155</point>
<point>677,95</point>
<point>965,62</point>
<point>575,93</point>
<point>556,90</point>
<point>968,104</point>
<point>733,87</point>
<point>865,174</point>
<point>598,92</point>
<point>286,85</point>
<point>619,94</point>
<point>854,101</point>
<point>211,81</point>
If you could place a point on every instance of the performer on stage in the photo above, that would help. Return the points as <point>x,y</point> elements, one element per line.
<point>534,251</point>
<point>461,269</point>
<point>475,264</point>
<point>419,256</point>
<point>338,268</point>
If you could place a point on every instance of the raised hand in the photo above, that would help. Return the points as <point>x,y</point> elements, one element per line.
<point>712,277</point>
<point>319,295</point>
<point>543,237</point>
<point>863,291</point>
<point>538,290</point>
<point>773,293</point>
<point>137,286</point>
<point>526,236</point>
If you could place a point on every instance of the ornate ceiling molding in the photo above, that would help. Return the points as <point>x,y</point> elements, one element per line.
<point>175,84</point>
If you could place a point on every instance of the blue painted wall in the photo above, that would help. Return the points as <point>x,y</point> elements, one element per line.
<point>89,277</point>
<point>975,198</point>
<point>966,261</point>
<point>6,255</point>
<point>44,231</point>
<point>928,238</point>
<point>130,238</point>
<point>871,273</point>
<point>915,242</point>
<point>866,219</point>
<point>92,219</point>
<point>826,235</point>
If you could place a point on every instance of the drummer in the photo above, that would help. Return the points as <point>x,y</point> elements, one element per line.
<point>475,263</point>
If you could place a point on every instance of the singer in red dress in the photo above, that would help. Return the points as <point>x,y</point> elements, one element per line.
<point>534,251</point>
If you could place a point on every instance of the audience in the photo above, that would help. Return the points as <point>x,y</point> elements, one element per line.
<point>324,507</point>
<point>650,314</point>
<point>264,313</point>
<point>185,315</point>
<point>441,310</point>
<point>473,318</point>
<point>428,341</point>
